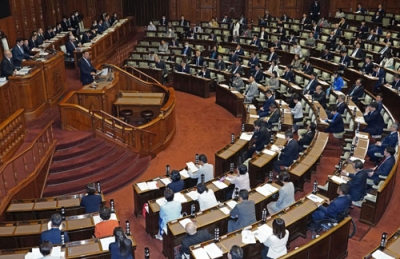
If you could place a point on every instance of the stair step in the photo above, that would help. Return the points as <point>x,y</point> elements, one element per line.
<point>67,139</point>
<point>77,150</point>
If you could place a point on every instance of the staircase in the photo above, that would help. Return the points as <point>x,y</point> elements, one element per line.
<point>81,158</point>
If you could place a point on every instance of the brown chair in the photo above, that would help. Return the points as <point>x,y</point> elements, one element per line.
<point>147,115</point>
<point>126,114</point>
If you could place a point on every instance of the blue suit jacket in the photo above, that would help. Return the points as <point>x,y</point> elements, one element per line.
<point>114,250</point>
<point>341,107</point>
<point>390,140</point>
<point>345,60</point>
<point>383,169</point>
<point>86,69</point>
<point>336,125</point>
<point>91,203</point>
<point>289,153</point>
<point>18,54</point>
<point>266,105</point>
<point>186,70</point>
<point>338,205</point>
<point>357,94</point>
<point>375,123</point>
<point>358,185</point>
<point>381,75</point>
<point>54,236</point>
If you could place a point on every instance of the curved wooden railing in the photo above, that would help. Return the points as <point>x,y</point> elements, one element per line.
<point>92,110</point>
<point>12,134</point>
<point>24,175</point>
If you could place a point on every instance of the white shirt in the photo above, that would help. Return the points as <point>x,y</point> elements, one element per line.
<point>207,200</point>
<point>277,247</point>
<point>241,181</point>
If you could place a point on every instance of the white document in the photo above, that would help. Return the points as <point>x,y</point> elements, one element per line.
<point>360,120</point>
<point>263,191</point>
<point>378,254</point>
<point>105,242</point>
<point>353,158</point>
<point>254,116</point>
<point>192,167</point>
<point>96,219</point>
<point>246,136</point>
<point>224,86</point>
<point>338,179</point>
<point>225,210</point>
<point>161,201</point>
<point>280,135</point>
<point>262,233</point>
<point>220,185</point>
<point>165,181</point>
<point>275,148</point>
<point>248,237</point>
<point>179,197</point>
<point>315,198</point>
<point>252,106</point>
<point>268,152</point>
<point>152,185</point>
<point>235,92</point>
<point>213,250</point>
<point>200,253</point>
<point>194,195</point>
<point>183,222</point>
<point>56,251</point>
<point>231,203</point>
<point>338,93</point>
<point>143,186</point>
<point>184,173</point>
<point>270,188</point>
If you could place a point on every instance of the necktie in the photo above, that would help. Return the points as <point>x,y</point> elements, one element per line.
<point>198,61</point>
<point>309,84</point>
<point>352,92</point>
<point>185,51</point>
<point>383,50</point>
<point>248,89</point>
<point>354,53</point>
<point>369,37</point>
<point>234,72</point>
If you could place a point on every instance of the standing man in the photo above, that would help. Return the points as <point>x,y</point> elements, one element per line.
<point>88,72</point>
<point>315,11</point>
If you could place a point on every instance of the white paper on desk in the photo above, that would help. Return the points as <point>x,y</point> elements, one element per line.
<point>280,135</point>
<point>231,203</point>
<point>220,185</point>
<point>96,219</point>
<point>251,106</point>
<point>192,167</point>
<point>194,195</point>
<point>286,111</point>
<point>378,254</point>
<point>353,158</point>
<point>315,198</point>
<point>165,181</point>
<point>152,185</point>
<point>338,92</point>
<point>270,188</point>
<point>183,222</point>
<point>213,250</point>
<point>322,121</point>
<point>268,152</point>
<point>275,148</point>
<point>246,136</point>
<point>358,135</point>
<point>105,242</point>
<point>161,201</point>
<point>254,116</point>
<point>143,186</point>
<point>262,233</point>
<point>56,251</point>
<point>225,210</point>
<point>34,254</point>
<point>184,173</point>
<point>338,179</point>
<point>200,253</point>
<point>179,197</point>
<point>248,237</point>
<point>351,107</point>
<point>43,53</point>
<point>263,191</point>
<point>360,119</point>
<point>235,92</point>
<point>224,86</point>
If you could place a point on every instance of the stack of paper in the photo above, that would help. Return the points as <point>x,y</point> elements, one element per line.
<point>225,210</point>
<point>235,92</point>
<point>266,189</point>
<point>360,120</point>
<point>280,135</point>
<point>231,203</point>
<point>192,167</point>
<point>224,86</point>
<point>161,201</point>
<point>275,148</point>
<point>200,253</point>
<point>152,185</point>
<point>165,181</point>
<point>246,136</point>
<point>315,198</point>
<point>353,158</point>
<point>358,135</point>
<point>184,173</point>
<point>183,222</point>
<point>220,185</point>
<point>338,179</point>
<point>143,186</point>
<point>180,197</point>
<point>194,195</point>
<point>268,152</point>
<point>105,242</point>
<point>262,233</point>
<point>213,250</point>
<point>254,116</point>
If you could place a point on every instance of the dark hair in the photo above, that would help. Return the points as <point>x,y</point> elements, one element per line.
<point>105,213</point>
<point>168,194</point>
<point>333,107</point>
<point>91,188</point>
<point>344,188</point>
<point>358,164</point>
<point>19,40</point>
<point>56,220</point>
<point>242,169</point>
<point>236,252</point>
<point>313,126</point>
<point>121,240</point>
<point>244,194</point>
<point>273,106</point>
<point>45,248</point>
<point>284,176</point>
<point>269,90</point>
<point>374,105</point>
<point>175,176</point>
<point>203,158</point>
<point>289,134</point>
<point>390,150</point>
<point>278,228</point>
<point>201,187</point>
<point>275,74</point>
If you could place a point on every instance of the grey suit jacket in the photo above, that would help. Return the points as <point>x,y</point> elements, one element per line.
<point>246,214</point>
<point>251,92</point>
<point>238,83</point>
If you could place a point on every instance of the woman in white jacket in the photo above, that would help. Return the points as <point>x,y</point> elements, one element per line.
<point>275,245</point>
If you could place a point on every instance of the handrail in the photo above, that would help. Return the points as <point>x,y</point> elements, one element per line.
<point>141,74</point>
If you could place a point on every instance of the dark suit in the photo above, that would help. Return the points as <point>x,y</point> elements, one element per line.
<point>321,98</point>
<point>272,56</point>
<point>356,93</point>
<point>214,55</point>
<point>315,10</point>
<point>371,37</point>
<point>115,252</point>
<point>331,42</point>
<point>65,25</point>
<point>7,67</point>
<point>262,138</point>
<point>187,51</point>
<point>198,61</point>
<point>311,86</point>
<point>308,69</point>
<point>86,68</point>
<point>253,62</point>
<point>336,124</point>
<point>219,64</point>
<point>375,123</point>
<point>236,69</point>
<point>91,203</point>
<point>205,74</point>
<point>54,236</point>
<point>245,213</point>
<point>266,105</point>
<point>289,76</point>
<point>358,54</point>
<point>273,118</point>
<point>239,52</point>
<point>337,206</point>
<point>18,54</point>
<point>305,140</point>
<point>396,85</point>
<point>390,140</point>
<point>358,185</point>
<point>289,153</point>
<point>368,68</point>
<point>163,22</point>
<point>70,47</point>
<point>327,56</point>
<point>48,35</point>
<point>39,39</point>
<point>232,58</point>
<point>380,74</point>
<point>341,107</point>
<point>344,62</point>
<point>185,69</point>
<point>258,75</point>
<point>383,169</point>
<point>32,44</point>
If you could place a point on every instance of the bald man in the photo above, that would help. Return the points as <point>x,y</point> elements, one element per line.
<point>193,237</point>
<point>7,66</point>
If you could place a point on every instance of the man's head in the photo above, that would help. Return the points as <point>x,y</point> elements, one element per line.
<point>343,189</point>
<point>257,124</point>
<point>358,82</point>
<point>379,97</point>
<point>86,54</point>
<point>201,187</point>
<point>244,194</point>
<point>341,98</point>
<point>311,126</point>
<point>203,159</point>
<point>333,108</point>
<point>105,213</point>
<point>389,151</point>
<point>45,248</point>
<point>272,49</point>
<point>373,106</point>
<point>56,220</point>
<point>190,228</point>
<point>358,165</point>
<point>251,79</point>
<point>288,135</point>
<point>318,89</point>
<point>236,252</point>
<point>168,194</point>
<point>284,176</point>
<point>20,41</point>
<point>272,107</point>
<point>242,169</point>
<point>91,188</point>
<point>394,127</point>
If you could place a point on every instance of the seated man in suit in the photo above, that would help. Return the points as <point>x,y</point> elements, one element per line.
<point>237,82</point>
<point>39,37</point>
<point>193,237</point>
<point>311,86</point>
<point>18,53</point>
<point>335,207</point>
<point>7,65</point>
<point>53,235</point>
<point>327,55</point>
<point>270,99</point>
<point>71,45</point>
<point>253,62</point>
<point>49,33</point>
<point>335,122</point>
<point>251,91</point>
<point>239,51</point>
<point>205,169</point>
<point>380,74</point>
<point>258,74</point>
<point>174,43</point>
<point>319,96</point>
<point>288,154</point>
<point>358,51</point>
<point>344,60</point>
<point>384,168</point>
<point>243,214</point>
<point>219,63</point>
<point>273,118</point>
<point>390,140</point>
<point>160,64</point>
<point>307,137</point>
<point>308,68</point>
<point>198,60</point>
<point>92,201</point>
<point>187,50</point>
<point>288,74</point>
<point>357,182</point>
<point>232,56</point>
<point>106,227</point>
<point>236,67</point>
<point>340,105</point>
<point>184,68</point>
<point>357,91</point>
<point>88,72</point>
<point>32,41</point>
<point>261,137</point>
<point>374,120</point>
<point>368,66</point>
<point>385,50</point>
<point>205,72</point>
<point>273,55</point>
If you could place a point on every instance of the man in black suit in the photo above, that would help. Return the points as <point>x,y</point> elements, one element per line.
<point>184,68</point>
<point>39,37</point>
<point>272,55</point>
<point>49,33</point>
<point>311,86</point>
<point>263,34</point>
<point>357,183</point>
<point>344,60</point>
<point>187,50</point>
<point>371,36</point>
<point>326,55</point>
<point>319,96</point>
<point>288,154</point>
<point>198,60</point>
<point>163,21</point>
<point>32,41</point>
<point>385,50</point>
<point>331,41</point>
<point>7,66</point>
<point>273,118</point>
<point>59,28</point>
<point>357,91</point>
<point>362,30</point>
<point>236,67</point>
<point>88,72</point>
<point>374,120</point>
<point>160,64</point>
<point>204,72</point>
<point>258,74</point>
<point>368,66</point>
<point>288,74</point>
<point>306,139</point>
<point>261,137</point>
<point>18,53</point>
<point>315,11</point>
<point>308,68</point>
<point>71,46</point>
<point>232,56</point>
<point>358,51</point>
<point>396,82</point>
<point>86,37</point>
<point>341,106</point>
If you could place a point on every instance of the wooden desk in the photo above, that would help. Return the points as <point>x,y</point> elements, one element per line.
<point>229,99</point>
<point>392,247</point>
<point>192,84</point>
<point>229,154</point>
<point>8,104</point>
<point>29,92</point>
<point>155,73</point>
<point>391,100</point>
<point>139,104</point>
